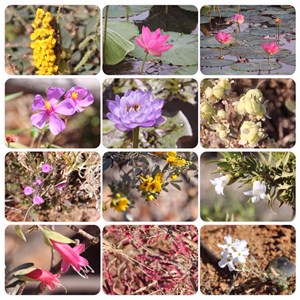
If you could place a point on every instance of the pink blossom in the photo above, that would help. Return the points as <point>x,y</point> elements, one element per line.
<point>271,49</point>
<point>71,257</point>
<point>37,199</point>
<point>80,96</point>
<point>28,190</point>
<point>46,168</point>
<point>50,109</point>
<point>153,43</point>
<point>238,18</point>
<point>223,38</point>
<point>45,277</point>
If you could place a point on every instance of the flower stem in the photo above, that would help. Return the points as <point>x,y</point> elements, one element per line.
<point>142,68</point>
<point>268,58</point>
<point>136,137</point>
<point>221,51</point>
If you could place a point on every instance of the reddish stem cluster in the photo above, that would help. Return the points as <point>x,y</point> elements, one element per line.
<point>150,259</point>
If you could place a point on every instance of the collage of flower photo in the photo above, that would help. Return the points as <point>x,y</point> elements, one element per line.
<point>150,149</point>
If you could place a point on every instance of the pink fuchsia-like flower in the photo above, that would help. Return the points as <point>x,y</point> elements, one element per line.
<point>238,18</point>
<point>135,109</point>
<point>49,110</point>
<point>46,168</point>
<point>45,277</point>
<point>37,199</point>
<point>223,38</point>
<point>271,48</point>
<point>80,96</point>
<point>71,257</point>
<point>153,43</point>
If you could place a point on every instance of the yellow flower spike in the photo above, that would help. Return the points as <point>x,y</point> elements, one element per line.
<point>150,198</point>
<point>39,13</point>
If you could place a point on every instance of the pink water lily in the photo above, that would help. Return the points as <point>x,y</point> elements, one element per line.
<point>71,257</point>
<point>223,38</point>
<point>238,18</point>
<point>153,43</point>
<point>45,277</point>
<point>49,110</point>
<point>271,48</point>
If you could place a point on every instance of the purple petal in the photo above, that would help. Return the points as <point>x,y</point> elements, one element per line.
<point>66,107</point>
<point>28,190</point>
<point>54,93</point>
<point>38,103</point>
<point>56,125</point>
<point>37,200</point>
<point>39,119</point>
<point>46,168</point>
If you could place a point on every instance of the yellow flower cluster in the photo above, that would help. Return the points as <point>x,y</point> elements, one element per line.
<point>152,185</point>
<point>43,43</point>
<point>119,203</point>
<point>175,160</point>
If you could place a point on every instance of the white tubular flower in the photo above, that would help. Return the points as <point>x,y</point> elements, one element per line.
<point>227,260</point>
<point>220,183</point>
<point>258,192</point>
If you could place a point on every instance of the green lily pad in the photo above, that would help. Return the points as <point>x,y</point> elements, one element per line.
<point>173,129</point>
<point>275,11</point>
<point>256,66</point>
<point>189,8</point>
<point>116,47</point>
<point>289,60</point>
<point>187,70</point>
<point>245,52</point>
<point>213,62</point>
<point>112,138</point>
<point>221,71</point>
<point>126,29</point>
<point>209,42</point>
<point>210,52</point>
<point>183,53</point>
<point>119,11</point>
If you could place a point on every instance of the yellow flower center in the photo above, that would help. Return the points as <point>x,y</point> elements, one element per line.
<point>74,95</point>
<point>47,105</point>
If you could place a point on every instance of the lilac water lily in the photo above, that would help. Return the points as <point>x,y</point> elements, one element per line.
<point>49,110</point>
<point>135,109</point>
<point>80,96</point>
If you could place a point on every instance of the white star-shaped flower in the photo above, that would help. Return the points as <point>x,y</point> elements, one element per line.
<point>258,192</point>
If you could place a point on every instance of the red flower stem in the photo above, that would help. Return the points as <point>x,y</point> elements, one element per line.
<point>136,137</point>
<point>142,68</point>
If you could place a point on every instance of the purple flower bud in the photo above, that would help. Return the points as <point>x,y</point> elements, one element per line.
<point>38,182</point>
<point>46,168</point>
<point>37,200</point>
<point>135,109</point>
<point>61,185</point>
<point>28,190</point>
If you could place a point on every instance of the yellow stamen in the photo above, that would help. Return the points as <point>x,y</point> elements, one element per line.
<point>74,95</point>
<point>47,105</point>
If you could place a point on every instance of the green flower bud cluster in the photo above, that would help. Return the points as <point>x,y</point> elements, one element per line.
<point>217,92</point>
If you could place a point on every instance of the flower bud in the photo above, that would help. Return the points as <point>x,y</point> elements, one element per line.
<point>221,114</point>
<point>225,83</point>
<point>206,111</point>
<point>254,107</point>
<point>222,131</point>
<point>208,93</point>
<point>256,94</point>
<point>218,92</point>
<point>250,133</point>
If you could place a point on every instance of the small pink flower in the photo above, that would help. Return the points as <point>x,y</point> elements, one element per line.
<point>80,96</point>
<point>37,199</point>
<point>38,181</point>
<point>238,18</point>
<point>153,43</point>
<point>46,168</point>
<point>271,49</point>
<point>28,190</point>
<point>45,277</point>
<point>71,257</point>
<point>223,38</point>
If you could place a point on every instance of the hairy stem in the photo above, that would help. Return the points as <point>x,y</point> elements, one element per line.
<point>136,137</point>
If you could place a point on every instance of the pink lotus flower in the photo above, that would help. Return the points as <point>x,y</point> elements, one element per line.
<point>71,257</point>
<point>45,277</point>
<point>238,18</point>
<point>153,43</point>
<point>223,38</point>
<point>271,49</point>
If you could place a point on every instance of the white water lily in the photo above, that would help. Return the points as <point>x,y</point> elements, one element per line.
<point>220,183</point>
<point>258,192</point>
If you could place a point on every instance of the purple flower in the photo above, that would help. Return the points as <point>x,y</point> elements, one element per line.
<point>46,168</point>
<point>81,97</point>
<point>135,109</point>
<point>37,200</point>
<point>49,110</point>
<point>28,190</point>
<point>38,181</point>
<point>61,185</point>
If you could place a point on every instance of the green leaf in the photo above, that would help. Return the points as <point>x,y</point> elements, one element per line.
<point>126,29</point>
<point>112,138</point>
<point>20,233</point>
<point>183,53</point>
<point>55,236</point>
<point>116,47</point>
<point>173,129</point>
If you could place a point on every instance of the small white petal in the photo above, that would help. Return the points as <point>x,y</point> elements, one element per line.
<point>248,193</point>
